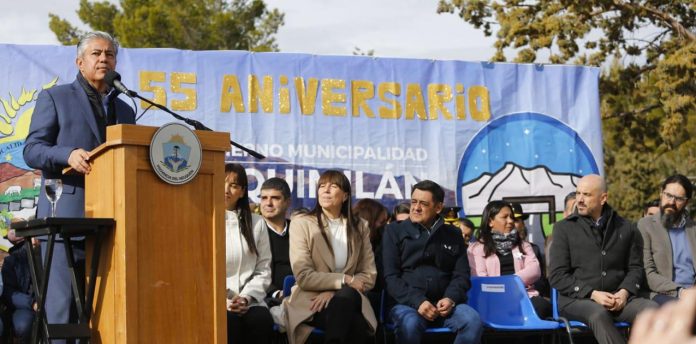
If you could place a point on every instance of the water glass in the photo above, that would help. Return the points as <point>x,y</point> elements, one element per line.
<point>53,188</point>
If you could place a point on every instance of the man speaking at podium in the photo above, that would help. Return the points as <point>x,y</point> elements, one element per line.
<point>69,121</point>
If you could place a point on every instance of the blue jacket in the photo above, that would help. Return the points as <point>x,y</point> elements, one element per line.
<point>419,266</point>
<point>62,122</point>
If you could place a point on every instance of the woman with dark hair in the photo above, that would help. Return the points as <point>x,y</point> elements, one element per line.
<point>376,216</point>
<point>499,250</point>
<point>248,259</point>
<point>467,228</point>
<point>401,211</point>
<point>333,263</point>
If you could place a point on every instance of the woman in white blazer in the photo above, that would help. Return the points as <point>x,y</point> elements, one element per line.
<point>248,258</point>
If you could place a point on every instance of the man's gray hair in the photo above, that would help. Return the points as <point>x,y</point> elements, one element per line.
<point>96,35</point>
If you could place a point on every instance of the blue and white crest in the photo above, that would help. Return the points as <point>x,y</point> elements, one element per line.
<point>176,154</point>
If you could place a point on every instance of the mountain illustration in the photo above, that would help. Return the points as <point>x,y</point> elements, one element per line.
<point>513,180</point>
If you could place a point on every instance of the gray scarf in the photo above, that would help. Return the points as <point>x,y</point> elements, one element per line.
<point>505,242</point>
<point>95,102</point>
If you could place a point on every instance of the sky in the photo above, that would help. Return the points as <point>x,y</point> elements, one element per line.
<point>392,28</point>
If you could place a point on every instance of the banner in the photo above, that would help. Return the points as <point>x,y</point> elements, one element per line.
<point>483,131</point>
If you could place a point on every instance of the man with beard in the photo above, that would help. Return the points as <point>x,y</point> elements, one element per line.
<point>670,242</point>
<point>596,264</point>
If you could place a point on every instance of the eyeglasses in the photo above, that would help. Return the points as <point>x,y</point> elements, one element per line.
<point>674,198</point>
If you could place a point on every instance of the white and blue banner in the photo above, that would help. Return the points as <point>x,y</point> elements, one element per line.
<point>482,130</point>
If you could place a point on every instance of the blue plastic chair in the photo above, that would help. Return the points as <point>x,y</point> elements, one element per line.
<point>288,282</point>
<point>389,327</point>
<point>281,337</point>
<point>503,305</point>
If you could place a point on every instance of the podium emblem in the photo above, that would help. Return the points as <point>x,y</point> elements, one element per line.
<point>175,153</point>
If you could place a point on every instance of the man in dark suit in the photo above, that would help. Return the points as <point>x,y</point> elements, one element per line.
<point>596,264</point>
<point>669,239</point>
<point>426,271</point>
<point>69,121</point>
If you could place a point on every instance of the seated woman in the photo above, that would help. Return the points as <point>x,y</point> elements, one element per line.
<point>376,216</point>
<point>248,263</point>
<point>467,228</point>
<point>500,251</point>
<point>333,263</point>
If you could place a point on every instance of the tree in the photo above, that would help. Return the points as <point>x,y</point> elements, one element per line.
<point>647,49</point>
<point>359,52</point>
<point>183,24</point>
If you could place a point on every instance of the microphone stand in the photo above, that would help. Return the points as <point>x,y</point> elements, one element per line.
<point>192,122</point>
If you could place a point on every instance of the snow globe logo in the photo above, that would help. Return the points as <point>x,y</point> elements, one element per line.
<point>175,153</point>
<point>527,157</point>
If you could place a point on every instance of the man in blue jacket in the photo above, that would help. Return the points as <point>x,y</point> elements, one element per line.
<point>427,272</point>
<point>68,121</point>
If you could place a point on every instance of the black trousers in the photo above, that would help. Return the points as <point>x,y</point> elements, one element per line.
<point>254,326</point>
<point>601,321</point>
<point>542,307</point>
<point>342,320</point>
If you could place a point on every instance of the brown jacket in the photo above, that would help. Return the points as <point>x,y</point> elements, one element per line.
<point>312,263</point>
<point>658,259</point>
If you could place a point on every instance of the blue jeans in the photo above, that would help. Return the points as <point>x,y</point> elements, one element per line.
<point>410,325</point>
<point>662,299</point>
<point>22,319</point>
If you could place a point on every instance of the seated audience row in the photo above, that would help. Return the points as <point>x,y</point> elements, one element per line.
<point>342,257</point>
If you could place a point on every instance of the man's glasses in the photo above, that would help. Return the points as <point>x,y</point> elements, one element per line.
<point>674,198</point>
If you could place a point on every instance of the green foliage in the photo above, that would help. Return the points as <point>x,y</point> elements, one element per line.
<point>182,24</point>
<point>5,218</point>
<point>647,87</point>
<point>359,52</point>
<point>65,32</point>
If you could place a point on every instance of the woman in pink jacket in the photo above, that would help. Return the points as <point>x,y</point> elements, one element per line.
<point>499,251</point>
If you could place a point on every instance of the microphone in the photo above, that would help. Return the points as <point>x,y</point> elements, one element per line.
<point>113,79</point>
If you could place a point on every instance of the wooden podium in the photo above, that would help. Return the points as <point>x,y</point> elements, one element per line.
<point>161,277</point>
